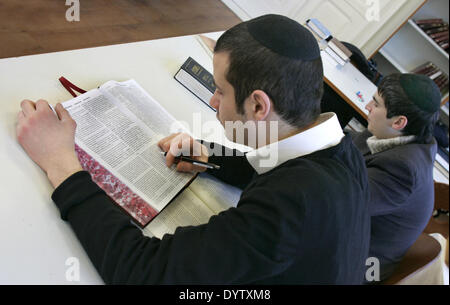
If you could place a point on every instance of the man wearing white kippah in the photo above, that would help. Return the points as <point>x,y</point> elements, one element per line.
<point>399,150</point>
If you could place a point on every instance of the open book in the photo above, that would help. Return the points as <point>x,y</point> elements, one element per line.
<point>118,128</point>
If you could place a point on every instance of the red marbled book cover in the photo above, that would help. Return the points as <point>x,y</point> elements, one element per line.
<point>141,211</point>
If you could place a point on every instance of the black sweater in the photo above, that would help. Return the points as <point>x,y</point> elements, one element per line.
<point>304,222</point>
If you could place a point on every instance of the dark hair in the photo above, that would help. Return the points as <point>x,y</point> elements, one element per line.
<point>420,123</point>
<point>294,86</point>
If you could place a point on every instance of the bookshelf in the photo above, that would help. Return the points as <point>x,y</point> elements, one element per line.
<point>427,38</point>
<point>410,47</point>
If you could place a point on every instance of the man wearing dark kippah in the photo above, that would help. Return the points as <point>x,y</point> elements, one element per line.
<point>303,214</point>
<point>399,150</point>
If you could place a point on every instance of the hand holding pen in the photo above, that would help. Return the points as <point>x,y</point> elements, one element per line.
<point>173,147</point>
<point>193,161</point>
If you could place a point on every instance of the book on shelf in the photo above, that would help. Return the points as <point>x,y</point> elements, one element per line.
<point>429,26</point>
<point>434,74</point>
<point>427,21</point>
<point>441,39</point>
<point>444,88</point>
<point>424,68</point>
<point>444,44</point>
<point>440,80</point>
<point>197,80</point>
<point>437,30</point>
<point>441,34</point>
<point>437,75</point>
<point>118,127</point>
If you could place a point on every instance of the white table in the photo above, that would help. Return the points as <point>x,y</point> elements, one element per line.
<point>35,242</point>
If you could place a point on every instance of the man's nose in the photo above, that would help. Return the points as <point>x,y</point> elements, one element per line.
<point>214,101</point>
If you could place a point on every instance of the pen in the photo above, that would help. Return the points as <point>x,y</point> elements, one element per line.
<point>195,162</point>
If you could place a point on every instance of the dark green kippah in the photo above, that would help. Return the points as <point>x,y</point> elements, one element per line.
<point>284,36</point>
<point>422,91</point>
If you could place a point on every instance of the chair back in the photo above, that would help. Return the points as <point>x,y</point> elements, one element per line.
<point>439,223</point>
<point>420,254</point>
<point>441,196</point>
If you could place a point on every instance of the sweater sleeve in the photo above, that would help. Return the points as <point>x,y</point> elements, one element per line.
<point>234,167</point>
<point>192,255</point>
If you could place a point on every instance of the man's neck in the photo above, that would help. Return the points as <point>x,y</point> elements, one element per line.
<point>285,131</point>
<point>290,131</point>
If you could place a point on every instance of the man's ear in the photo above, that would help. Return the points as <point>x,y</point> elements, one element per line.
<point>258,105</point>
<point>400,122</point>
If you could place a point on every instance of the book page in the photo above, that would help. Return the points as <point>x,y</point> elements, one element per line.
<point>185,210</point>
<point>132,97</point>
<point>205,196</point>
<point>124,147</point>
<point>215,194</point>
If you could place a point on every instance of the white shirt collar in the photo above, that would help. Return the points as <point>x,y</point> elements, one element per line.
<point>327,133</point>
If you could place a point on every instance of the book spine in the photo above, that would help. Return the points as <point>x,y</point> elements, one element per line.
<point>444,44</point>
<point>425,21</point>
<point>439,77</point>
<point>440,80</point>
<point>441,39</point>
<point>436,35</point>
<point>422,68</point>
<point>342,48</point>
<point>442,83</point>
<point>435,75</point>
<point>425,70</point>
<point>335,56</point>
<point>431,26</point>
<point>338,51</point>
<point>437,30</point>
<point>200,74</point>
<point>444,87</point>
<point>432,71</point>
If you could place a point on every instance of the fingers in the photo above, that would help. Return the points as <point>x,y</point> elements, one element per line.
<point>176,145</point>
<point>185,167</point>
<point>42,105</point>
<point>164,143</point>
<point>20,117</point>
<point>62,113</point>
<point>28,107</point>
<point>170,159</point>
<point>189,167</point>
<point>183,144</point>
